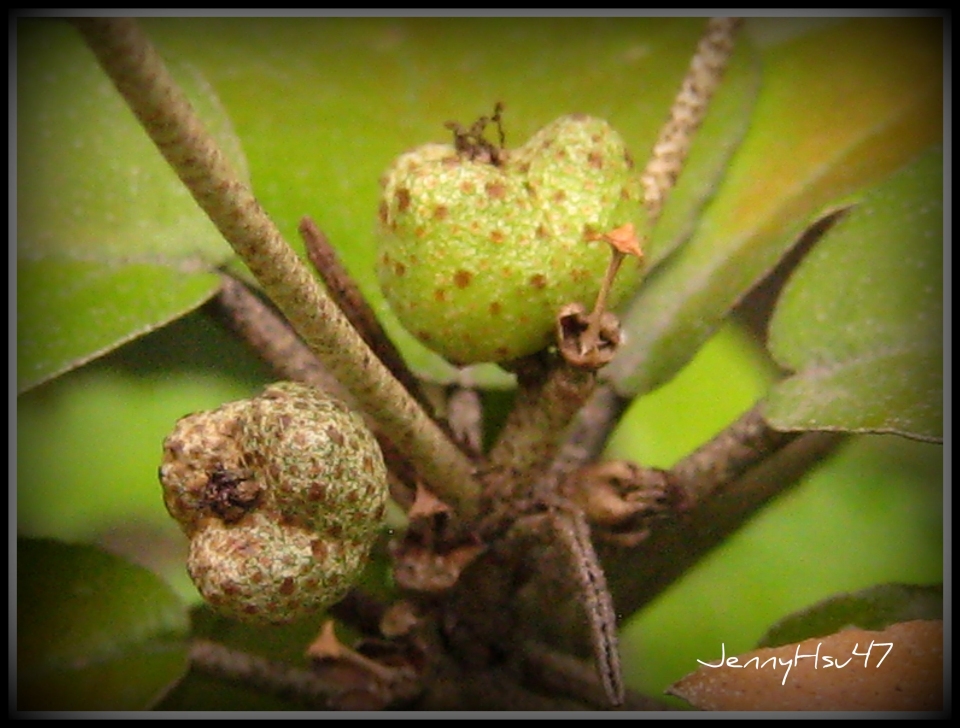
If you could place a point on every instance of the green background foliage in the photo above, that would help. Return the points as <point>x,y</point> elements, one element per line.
<point>115,260</point>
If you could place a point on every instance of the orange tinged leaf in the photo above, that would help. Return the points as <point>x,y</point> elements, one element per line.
<point>898,668</point>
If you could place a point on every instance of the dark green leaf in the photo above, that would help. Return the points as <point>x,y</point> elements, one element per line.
<point>872,609</point>
<point>861,320</point>
<point>93,632</point>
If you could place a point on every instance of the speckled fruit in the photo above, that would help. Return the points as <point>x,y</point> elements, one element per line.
<point>281,496</point>
<point>477,257</point>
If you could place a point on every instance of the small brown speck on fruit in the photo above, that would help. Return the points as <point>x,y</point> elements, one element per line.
<point>336,437</point>
<point>318,548</point>
<point>538,281</point>
<point>317,492</point>
<point>496,190</point>
<point>462,278</point>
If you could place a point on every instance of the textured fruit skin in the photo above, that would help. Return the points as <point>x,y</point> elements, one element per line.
<point>281,496</point>
<point>476,259</point>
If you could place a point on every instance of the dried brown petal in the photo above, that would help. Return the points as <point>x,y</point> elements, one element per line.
<point>624,239</point>
<point>583,345</point>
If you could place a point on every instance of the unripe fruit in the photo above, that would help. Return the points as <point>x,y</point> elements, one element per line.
<point>479,254</point>
<point>281,496</point>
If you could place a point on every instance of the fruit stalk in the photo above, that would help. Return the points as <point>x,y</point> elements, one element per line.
<point>523,433</point>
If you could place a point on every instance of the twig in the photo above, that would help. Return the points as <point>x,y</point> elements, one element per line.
<point>638,575</point>
<point>138,72</point>
<point>279,346</point>
<point>347,295</point>
<point>735,450</point>
<point>263,675</point>
<point>272,338</point>
<point>589,432</point>
<point>535,426</point>
<point>709,495</point>
<point>533,436</point>
<point>687,113</point>
<point>562,674</point>
<point>574,534</point>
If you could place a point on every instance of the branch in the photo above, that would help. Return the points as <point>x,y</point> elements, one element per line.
<point>138,72</point>
<point>589,432</point>
<point>346,293</point>
<point>687,113</point>
<point>268,333</point>
<point>735,450</point>
<point>536,425</point>
<point>278,345</point>
<point>562,674</point>
<point>733,490</point>
<point>574,533</point>
<point>263,675</point>
<point>651,526</point>
<point>533,431</point>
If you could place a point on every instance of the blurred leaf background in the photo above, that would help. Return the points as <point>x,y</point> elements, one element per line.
<point>320,108</point>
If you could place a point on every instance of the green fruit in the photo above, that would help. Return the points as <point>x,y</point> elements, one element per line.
<point>479,254</point>
<point>282,497</point>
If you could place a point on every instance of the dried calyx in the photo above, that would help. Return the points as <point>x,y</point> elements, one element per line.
<point>281,496</point>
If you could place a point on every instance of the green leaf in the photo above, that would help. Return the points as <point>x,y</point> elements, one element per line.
<point>109,242</point>
<point>872,609</point>
<point>337,99</point>
<point>861,320</point>
<point>71,311</point>
<point>840,108</point>
<point>93,632</point>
